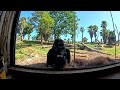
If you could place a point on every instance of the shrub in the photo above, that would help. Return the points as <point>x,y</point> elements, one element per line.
<point>19,56</point>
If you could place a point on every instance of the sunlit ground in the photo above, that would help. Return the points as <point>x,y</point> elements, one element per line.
<point>31,54</point>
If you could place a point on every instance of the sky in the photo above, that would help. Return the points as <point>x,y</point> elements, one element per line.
<point>87,18</point>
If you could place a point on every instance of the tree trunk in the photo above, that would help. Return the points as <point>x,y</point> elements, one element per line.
<point>109,41</point>
<point>82,36</point>
<point>118,38</point>
<point>101,41</point>
<point>104,39</point>
<point>6,22</point>
<point>21,34</point>
<point>91,40</point>
<point>72,39</point>
<point>58,36</point>
<point>95,39</point>
<point>54,35</point>
<point>41,40</point>
<point>21,37</point>
<point>28,37</point>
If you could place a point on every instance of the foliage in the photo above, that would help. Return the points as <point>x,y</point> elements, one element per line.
<point>43,23</point>
<point>91,32</point>
<point>111,38</point>
<point>28,29</point>
<point>85,39</point>
<point>95,29</point>
<point>104,24</point>
<point>64,23</point>
<point>82,30</point>
<point>21,26</point>
<point>104,31</point>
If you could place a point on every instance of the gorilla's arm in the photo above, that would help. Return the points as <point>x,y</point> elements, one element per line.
<point>48,57</point>
<point>68,55</point>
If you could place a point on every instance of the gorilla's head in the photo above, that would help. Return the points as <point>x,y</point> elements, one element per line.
<point>58,43</point>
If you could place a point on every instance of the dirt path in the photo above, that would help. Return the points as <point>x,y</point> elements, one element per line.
<point>81,59</point>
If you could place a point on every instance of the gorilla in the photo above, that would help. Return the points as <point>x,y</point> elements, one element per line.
<point>58,56</point>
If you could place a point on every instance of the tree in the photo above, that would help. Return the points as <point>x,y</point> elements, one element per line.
<point>104,31</point>
<point>111,38</point>
<point>82,30</point>
<point>104,24</point>
<point>91,32</point>
<point>85,39</point>
<point>95,29</point>
<point>28,29</point>
<point>71,18</point>
<point>24,33</point>
<point>105,35</point>
<point>51,38</point>
<point>42,22</point>
<point>59,25</point>
<point>68,41</point>
<point>21,26</point>
<point>64,23</point>
<point>47,34</point>
<point>38,36</point>
<point>34,37</point>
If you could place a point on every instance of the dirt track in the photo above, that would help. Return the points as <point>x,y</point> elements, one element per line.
<point>81,59</point>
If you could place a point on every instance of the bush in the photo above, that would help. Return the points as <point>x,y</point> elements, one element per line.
<point>21,51</point>
<point>19,56</point>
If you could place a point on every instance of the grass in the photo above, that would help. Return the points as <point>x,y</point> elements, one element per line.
<point>106,50</point>
<point>20,53</point>
<point>23,48</point>
<point>19,56</point>
<point>31,42</point>
<point>41,51</point>
<point>90,45</point>
<point>111,50</point>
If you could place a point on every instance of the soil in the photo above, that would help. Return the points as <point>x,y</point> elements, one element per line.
<point>82,60</point>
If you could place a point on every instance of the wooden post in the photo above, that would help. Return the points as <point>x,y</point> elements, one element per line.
<point>74,41</point>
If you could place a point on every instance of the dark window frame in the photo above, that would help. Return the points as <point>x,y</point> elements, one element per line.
<point>12,51</point>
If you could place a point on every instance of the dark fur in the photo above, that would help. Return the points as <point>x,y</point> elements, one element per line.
<point>58,62</point>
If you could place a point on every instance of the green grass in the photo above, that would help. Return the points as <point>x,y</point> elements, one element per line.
<point>19,56</point>
<point>27,47</point>
<point>23,48</point>
<point>31,42</point>
<point>106,50</point>
<point>20,53</point>
<point>90,45</point>
<point>40,50</point>
<point>111,50</point>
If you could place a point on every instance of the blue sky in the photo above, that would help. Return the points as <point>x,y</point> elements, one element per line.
<point>87,18</point>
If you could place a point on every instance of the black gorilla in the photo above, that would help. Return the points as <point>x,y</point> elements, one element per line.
<point>58,55</point>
